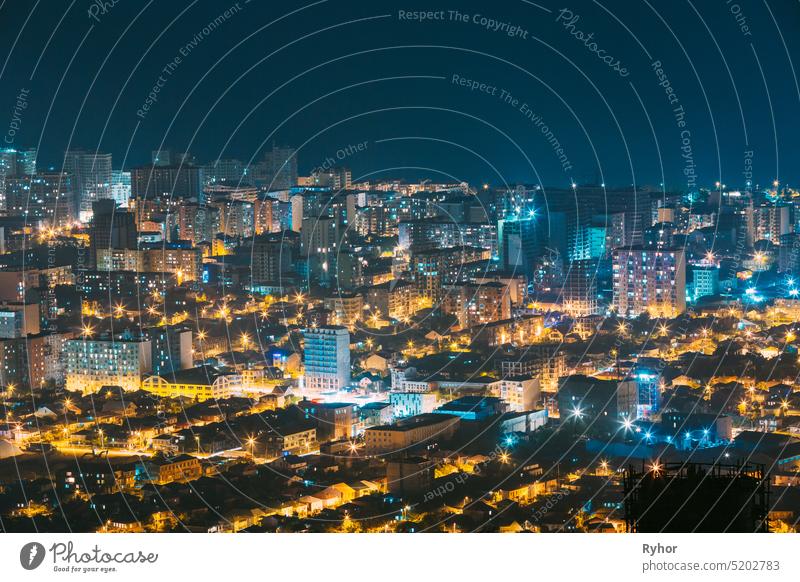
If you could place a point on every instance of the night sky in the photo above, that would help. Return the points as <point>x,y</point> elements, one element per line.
<point>322,76</point>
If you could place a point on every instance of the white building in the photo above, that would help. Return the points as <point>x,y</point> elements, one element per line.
<point>520,392</point>
<point>326,358</point>
<point>649,281</point>
<point>91,364</point>
<point>411,403</point>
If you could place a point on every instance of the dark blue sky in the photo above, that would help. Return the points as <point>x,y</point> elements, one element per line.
<point>335,73</point>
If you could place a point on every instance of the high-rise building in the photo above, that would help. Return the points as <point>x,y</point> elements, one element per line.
<point>318,245</point>
<point>649,281</point>
<point>121,187</point>
<point>47,198</point>
<point>272,258</point>
<point>183,262</point>
<point>263,210</point>
<point>23,361</point>
<point>281,168</point>
<point>171,349</point>
<point>326,358</point>
<point>229,171</point>
<point>91,178</point>
<point>19,319</point>
<point>198,223</point>
<point>768,222</point>
<point>111,228</point>
<point>91,364</point>
<point>547,362</point>
<point>517,244</point>
<point>482,303</point>
<point>236,218</point>
<point>14,163</point>
<point>180,182</point>
<point>580,288</point>
<point>705,280</point>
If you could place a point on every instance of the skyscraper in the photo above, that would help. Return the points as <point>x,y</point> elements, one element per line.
<point>91,177</point>
<point>517,244</point>
<point>15,163</point>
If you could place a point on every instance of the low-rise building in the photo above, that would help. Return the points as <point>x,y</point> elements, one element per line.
<point>409,432</point>
<point>200,383</point>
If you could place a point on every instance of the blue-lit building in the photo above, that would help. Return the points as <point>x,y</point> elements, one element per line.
<point>327,358</point>
<point>649,392</point>
<point>687,431</point>
<point>472,407</point>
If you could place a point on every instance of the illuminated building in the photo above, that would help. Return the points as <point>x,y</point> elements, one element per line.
<point>648,385</point>
<point>91,178</point>
<point>334,420</point>
<point>172,182</point>
<point>580,288</point>
<point>432,269</point>
<point>121,187</point>
<point>200,383</point>
<point>91,364</point>
<point>272,258</point>
<point>198,223</point>
<point>396,299</point>
<point>347,308</point>
<point>224,171</point>
<point>163,470</point>
<point>19,319</point>
<point>14,163</point>
<point>295,437</point>
<point>518,244</point>
<point>48,198</point>
<point>111,228</point>
<point>482,303</point>
<point>411,403</point>
<point>519,392</point>
<point>521,331</point>
<point>185,263</point>
<point>171,348</point>
<point>649,281</point>
<point>24,361</point>
<point>424,234</point>
<point>705,280</point>
<point>768,222</point>
<point>597,405</point>
<point>236,218</point>
<point>326,358</point>
<point>472,407</point>
<point>546,362</point>
<point>408,432</point>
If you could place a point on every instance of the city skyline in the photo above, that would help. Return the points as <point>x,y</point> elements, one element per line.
<point>347,267</point>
